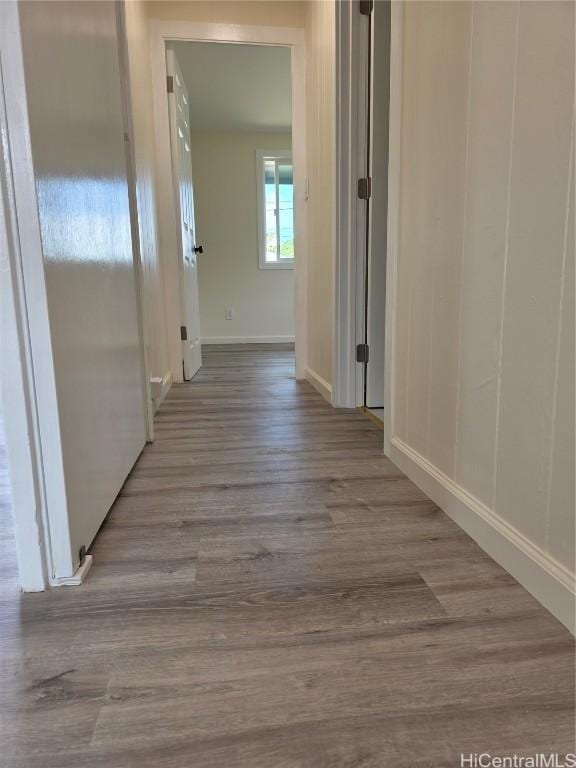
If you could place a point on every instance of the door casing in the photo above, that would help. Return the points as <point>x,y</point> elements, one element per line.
<point>162,33</point>
<point>33,432</point>
<point>350,262</point>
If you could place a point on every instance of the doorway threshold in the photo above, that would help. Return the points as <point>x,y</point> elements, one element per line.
<point>374,414</point>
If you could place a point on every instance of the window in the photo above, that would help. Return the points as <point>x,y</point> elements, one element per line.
<point>275,196</point>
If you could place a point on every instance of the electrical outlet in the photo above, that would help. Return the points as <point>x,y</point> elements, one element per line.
<point>229,313</point>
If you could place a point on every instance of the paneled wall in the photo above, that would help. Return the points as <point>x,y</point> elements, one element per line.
<point>320,135</point>
<point>484,370</point>
<point>141,97</point>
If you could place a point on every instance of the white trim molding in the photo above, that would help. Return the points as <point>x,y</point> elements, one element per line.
<point>362,112</point>
<point>33,435</point>
<point>351,148</point>
<point>393,230</point>
<point>78,577</point>
<point>319,384</point>
<point>129,145</point>
<point>545,578</point>
<point>162,32</point>
<point>21,428</point>
<point>32,421</point>
<point>159,387</point>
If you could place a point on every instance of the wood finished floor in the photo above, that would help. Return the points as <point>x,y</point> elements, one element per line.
<point>269,591</point>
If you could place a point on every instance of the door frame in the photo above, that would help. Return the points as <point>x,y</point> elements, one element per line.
<point>32,423</point>
<point>351,134</point>
<point>18,385</point>
<point>162,32</point>
<point>32,426</point>
<point>351,42</point>
<point>131,173</point>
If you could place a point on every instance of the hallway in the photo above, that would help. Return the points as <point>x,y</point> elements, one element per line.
<point>269,590</point>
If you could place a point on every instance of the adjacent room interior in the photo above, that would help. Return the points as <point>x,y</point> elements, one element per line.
<point>237,134</point>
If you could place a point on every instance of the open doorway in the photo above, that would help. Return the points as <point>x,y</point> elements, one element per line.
<point>373,290</point>
<point>230,147</point>
<point>362,264</point>
<point>234,128</point>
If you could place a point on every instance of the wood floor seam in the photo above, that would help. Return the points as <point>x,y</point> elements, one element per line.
<point>270,591</point>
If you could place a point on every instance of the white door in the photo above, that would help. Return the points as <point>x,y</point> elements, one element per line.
<point>184,202</point>
<point>90,388</point>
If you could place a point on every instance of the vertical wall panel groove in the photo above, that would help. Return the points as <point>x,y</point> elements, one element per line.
<point>544,105</point>
<point>463,244</point>
<point>561,502</point>
<point>484,379</point>
<point>506,240</point>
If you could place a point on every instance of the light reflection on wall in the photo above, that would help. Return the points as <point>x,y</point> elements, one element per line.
<point>75,215</point>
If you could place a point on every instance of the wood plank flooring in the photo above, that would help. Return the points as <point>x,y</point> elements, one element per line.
<point>269,591</point>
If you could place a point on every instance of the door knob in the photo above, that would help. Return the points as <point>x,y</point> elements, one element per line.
<point>198,249</point>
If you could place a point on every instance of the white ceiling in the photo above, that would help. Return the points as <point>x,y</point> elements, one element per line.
<point>236,87</point>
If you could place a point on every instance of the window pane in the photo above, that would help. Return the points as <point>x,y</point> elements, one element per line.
<point>270,209</point>
<point>286,210</point>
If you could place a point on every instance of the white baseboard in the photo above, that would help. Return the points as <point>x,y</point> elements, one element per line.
<point>319,384</point>
<point>77,577</point>
<point>247,339</point>
<point>160,388</point>
<point>550,582</point>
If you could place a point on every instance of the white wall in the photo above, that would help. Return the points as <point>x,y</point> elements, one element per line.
<point>224,170</point>
<point>143,130</point>
<point>76,131</point>
<point>484,367</point>
<point>320,136</point>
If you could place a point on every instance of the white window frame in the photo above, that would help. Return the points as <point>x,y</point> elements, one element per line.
<point>261,156</point>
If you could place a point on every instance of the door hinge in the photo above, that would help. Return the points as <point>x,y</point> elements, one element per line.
<point>366,7</point>
<point>362,353</point>
<point>183,333</point>
<point>170,83</point>
<point>365,188</point>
